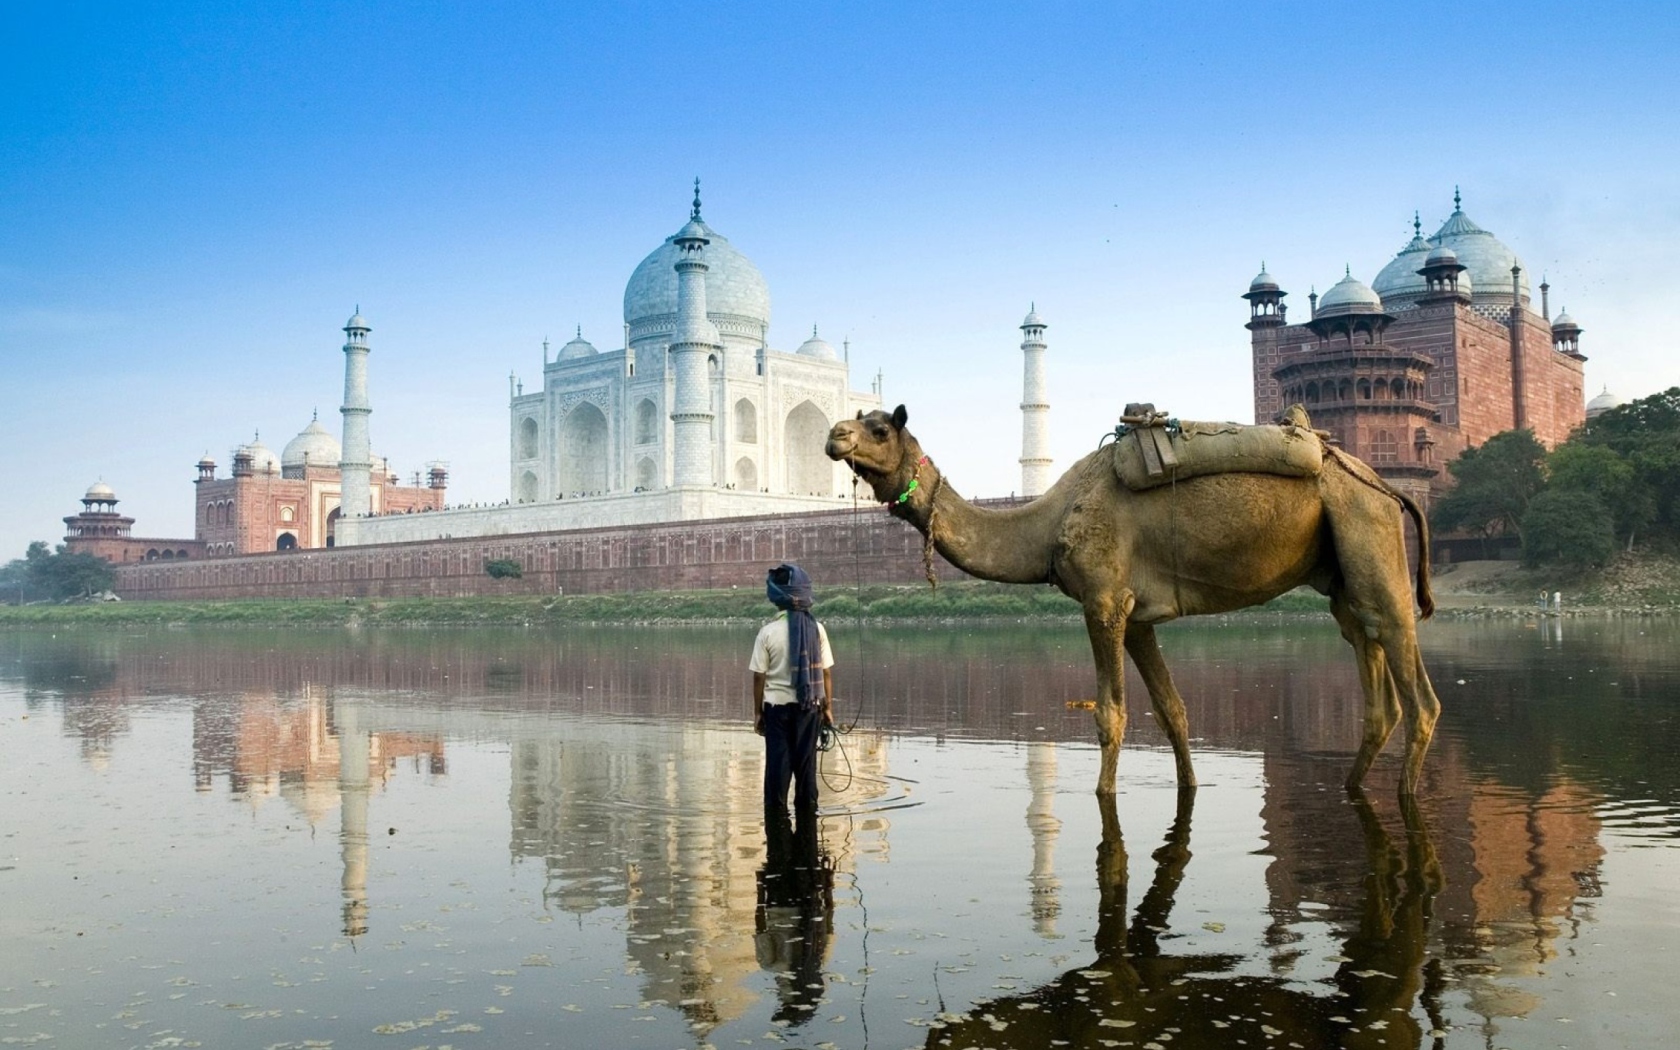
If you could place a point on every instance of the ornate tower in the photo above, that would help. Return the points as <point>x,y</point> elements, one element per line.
<point>1267,316</point>
<point>356,466</point>
<point>1035,409</point>
<point>693,342</point>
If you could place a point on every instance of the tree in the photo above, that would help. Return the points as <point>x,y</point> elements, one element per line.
<point>1602,472</point>
<point>1567,527</point>
<point>1495,483</point>
<point>1646,435</point>
<point>44,574</point>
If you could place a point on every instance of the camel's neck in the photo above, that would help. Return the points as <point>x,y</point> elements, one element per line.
<point>1010,545</point>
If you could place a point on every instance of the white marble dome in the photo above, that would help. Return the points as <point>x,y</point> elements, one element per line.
<point>263,459</point>
<point>1350,295</point>
<point>579,347</point>
<point>1485,257</point>
<point>734,287</point>
<point>314,445</point>
<point>817,347</point>
<point>1603,403</point>
<point>1400,278</point>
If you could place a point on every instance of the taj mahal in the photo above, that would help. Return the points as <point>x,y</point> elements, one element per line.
<point>697,417</point>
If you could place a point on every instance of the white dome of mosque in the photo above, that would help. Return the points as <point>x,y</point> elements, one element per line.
<point>100,492</point>
<point>578,347</point>
<point>314,445</point>
<point>734,286</point>
<point>1400,278</point>
<point>1601,404</point>
<point>1350,295</point>
<point>1486,259</point>
<point>263,459</point>
<point>817,347</point>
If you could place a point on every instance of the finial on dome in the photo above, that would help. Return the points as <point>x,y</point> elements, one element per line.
<point>695,214</point>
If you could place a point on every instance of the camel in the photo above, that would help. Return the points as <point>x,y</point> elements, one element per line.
<point>1208,544</point>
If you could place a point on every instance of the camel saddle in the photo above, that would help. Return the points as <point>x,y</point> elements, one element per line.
<point>1153,450</point>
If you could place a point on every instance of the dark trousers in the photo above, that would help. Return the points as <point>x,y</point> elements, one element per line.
<point>790,754</point>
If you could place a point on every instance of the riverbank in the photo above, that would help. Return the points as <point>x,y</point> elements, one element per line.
<point>1633,586</point>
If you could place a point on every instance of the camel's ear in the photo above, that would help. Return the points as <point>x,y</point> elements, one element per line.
<point>900,417</point>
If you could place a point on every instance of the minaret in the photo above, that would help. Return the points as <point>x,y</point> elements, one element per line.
<point>1035,409</point>
<point>694,340</point>
<point>356,467</point>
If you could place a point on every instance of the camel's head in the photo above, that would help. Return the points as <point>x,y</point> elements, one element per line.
<point>877,446</point>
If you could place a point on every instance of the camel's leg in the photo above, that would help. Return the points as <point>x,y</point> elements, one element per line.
<point>1163,696</point>
<point>1416,697</point>
<point>1105,622</point>
<point>1382,707</point>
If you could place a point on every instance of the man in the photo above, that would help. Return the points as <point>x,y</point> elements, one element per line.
<point>793,690</point>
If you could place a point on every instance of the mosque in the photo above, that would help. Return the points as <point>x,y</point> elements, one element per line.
<point>1443,350</point>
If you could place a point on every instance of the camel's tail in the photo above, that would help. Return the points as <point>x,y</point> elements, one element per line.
<point>1360,471</point>
<point>1425,597</point>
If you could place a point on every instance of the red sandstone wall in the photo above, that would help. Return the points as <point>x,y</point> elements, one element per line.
<point>832,545</point>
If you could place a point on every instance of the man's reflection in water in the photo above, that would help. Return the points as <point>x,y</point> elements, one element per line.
<point>1136,992</point>
<point>795,915</point>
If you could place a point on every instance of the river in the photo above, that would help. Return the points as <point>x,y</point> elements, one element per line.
<point>521,838</point>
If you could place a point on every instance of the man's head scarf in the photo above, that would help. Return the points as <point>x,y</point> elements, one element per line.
<point>789,588</point>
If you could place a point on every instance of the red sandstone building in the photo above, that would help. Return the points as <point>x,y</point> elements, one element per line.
<point>291,501</point>
<point>1441,352</point>
<point>270,503</point>
<point>101,531</point>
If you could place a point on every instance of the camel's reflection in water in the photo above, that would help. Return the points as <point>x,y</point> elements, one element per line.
<point>1135,993</point>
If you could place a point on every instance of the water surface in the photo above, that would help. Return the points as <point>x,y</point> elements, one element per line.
<point>231,838</point>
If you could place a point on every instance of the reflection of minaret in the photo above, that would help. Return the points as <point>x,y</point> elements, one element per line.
<point>353,787</point>
<point>1042,822</point>
<point>356,487</point>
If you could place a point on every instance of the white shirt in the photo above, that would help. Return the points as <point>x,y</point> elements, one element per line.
<point>770,658</point>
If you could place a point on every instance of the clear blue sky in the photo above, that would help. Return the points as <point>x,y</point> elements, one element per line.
<point>194,197</point>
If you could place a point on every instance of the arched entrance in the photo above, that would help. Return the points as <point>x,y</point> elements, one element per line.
<point>746,474</point>
<point>809,470</point>
<point>583,451</point>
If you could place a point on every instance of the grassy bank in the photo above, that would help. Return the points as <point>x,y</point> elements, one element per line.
<point>953,601</point>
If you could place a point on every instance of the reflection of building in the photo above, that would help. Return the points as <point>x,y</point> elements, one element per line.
<point>317,757</point>
<point>1441,351</point>
<point>668,825</point>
